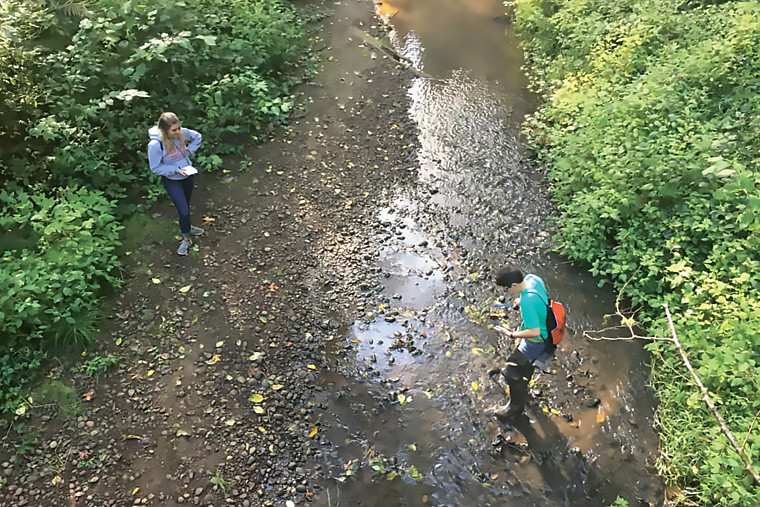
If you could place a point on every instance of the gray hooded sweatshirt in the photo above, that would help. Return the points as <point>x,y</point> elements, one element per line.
<point>168,165</point>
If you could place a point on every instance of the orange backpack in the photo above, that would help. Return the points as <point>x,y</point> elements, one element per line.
<point>556,322</point>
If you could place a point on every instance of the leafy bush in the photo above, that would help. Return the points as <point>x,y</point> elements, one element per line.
<point>92,88</point>
<point>58,258</point>
<point>651,129</point>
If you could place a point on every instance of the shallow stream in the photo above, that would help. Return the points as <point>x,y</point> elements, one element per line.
<point>403,417</point>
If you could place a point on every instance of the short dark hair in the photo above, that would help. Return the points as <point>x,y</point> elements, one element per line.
<point>505,277</point>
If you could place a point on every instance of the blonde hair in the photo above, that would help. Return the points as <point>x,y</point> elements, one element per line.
<point>165,121</point>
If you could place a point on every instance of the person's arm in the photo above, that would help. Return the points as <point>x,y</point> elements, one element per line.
<point>194,138</point>
<point>156,160</point>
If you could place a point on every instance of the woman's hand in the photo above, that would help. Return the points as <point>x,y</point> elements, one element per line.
<point>181,172</point>
<point>504,331</point>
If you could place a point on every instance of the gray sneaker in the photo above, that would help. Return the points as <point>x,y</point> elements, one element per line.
<point>184,246</point>
<point>195,231</point>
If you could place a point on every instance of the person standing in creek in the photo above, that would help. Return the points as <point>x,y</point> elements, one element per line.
<point>531,298</point>
<point>169,157</point>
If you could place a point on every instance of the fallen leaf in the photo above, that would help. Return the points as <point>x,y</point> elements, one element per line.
<point>474,386</point>
<point>214,359</point>
<point>255,356</point>
<point>311,366</point>
<point>89,395</point>
<point>119,341</point>
<point>259,410</point>
<point>185,288</point>
<point>56,480</point>
<point>600,418</point>
<point>230,422</point>
<point>277,387</point>
<point>156,280</point>
<point>219,344</point>
<point>273,287</point>
<point>150,373</point>
<point>134,491</point>
<point>263,319</point>
<point>313,432</point>
<point>208,219</point>
<point>182,433</point>
<point>131,437</point>
<point>256,398</point>
<point>403,399</point>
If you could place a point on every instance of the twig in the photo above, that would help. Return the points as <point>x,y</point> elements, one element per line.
<point>750,429</point>
<point>708,401</point>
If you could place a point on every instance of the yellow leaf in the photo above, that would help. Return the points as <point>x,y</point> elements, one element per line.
<point>119,341</point>
<point>134,491</point>
<point>475,386</point>
<point>600,418</point>
<point>313,432</point>
<point>56,480</point>
<point>555,411</point>
<point>185,288</point>
<point>277,387</point>
<point>258,410</point>
<point>214,359</point>
<point>150,373</point>
<point>256,398</point>
<point>219,344</point>
<point>311,367</point>
<point>402,398</point>
<point>330,58</point>
<point>208,219</point>
<point>230,422</point>
<point>156,280</point>
<point>545,410</point>
<point>261,429</point>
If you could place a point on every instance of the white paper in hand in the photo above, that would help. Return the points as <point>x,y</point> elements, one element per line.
<point>189,170</point>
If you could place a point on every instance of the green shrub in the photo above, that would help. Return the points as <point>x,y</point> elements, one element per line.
<point>93,89</point>
<point>651,130</point>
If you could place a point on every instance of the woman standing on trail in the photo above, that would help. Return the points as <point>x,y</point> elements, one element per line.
<point>169,157</point>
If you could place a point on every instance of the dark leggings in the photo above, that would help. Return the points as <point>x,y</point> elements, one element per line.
<point>180,191</point>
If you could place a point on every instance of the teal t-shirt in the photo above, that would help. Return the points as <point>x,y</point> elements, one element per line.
<point>533,301</point>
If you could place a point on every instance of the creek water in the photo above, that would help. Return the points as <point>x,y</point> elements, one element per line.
<point>405,419</point>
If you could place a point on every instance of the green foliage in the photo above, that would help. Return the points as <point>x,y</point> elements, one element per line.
<point>651,130</point>
<point>89,93</point>
<point>58,258</point>
<point>97,365</point>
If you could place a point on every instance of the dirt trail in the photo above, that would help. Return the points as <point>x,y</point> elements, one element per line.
<point>211,402</point>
